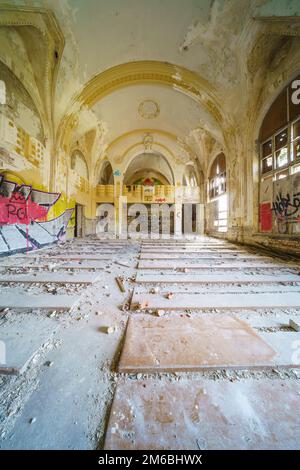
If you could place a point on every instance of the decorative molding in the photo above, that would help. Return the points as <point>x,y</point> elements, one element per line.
<point>148,141</point>
<point>148,109</point>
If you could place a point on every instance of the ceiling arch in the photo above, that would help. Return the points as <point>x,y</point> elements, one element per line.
<point>147,161</point>
<point>131,74</point>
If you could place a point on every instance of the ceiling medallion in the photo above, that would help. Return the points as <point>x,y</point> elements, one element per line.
<point>148,109</point>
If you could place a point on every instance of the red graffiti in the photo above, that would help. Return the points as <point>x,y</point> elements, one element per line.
<point>19,210</point>
<point>265,217</point>
<point>160,200</point>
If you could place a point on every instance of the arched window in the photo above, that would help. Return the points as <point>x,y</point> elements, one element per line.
<point>217,177</point>
<point>280,163</point>
<point>280,135</point>
<point>106,174</point>
<point>217,213</point>
<point>189,177</point>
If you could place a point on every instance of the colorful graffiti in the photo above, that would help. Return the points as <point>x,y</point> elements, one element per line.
<point>17,209</point>
<point>23,218</point>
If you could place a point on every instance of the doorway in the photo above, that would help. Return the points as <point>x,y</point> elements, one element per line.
<point>189,210</point>
<point>78,221</point>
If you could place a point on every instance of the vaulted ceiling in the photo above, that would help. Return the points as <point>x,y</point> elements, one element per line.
<point>185,67</point>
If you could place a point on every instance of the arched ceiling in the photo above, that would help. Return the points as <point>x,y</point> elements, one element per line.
<point>170,52</point>
<point>200,61</point>
<point>141,106</point>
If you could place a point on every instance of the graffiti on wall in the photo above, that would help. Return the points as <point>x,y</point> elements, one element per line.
<point>287,210</point>
<point>24,223</point>
<point>280,205</point>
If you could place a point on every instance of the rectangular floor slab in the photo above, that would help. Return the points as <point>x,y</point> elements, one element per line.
<point>15,300</point>
<point>48,277</point>
<point>147,264</point>
<point>205,415</point>
<point>58,253</point>
<point>52,266</point>
<point>173,249</point>
<point>206,257</point>
<point>20,342</point>
<point>184,301</point>
<point>189,344</point>
<point>158,278</point>
<point>190,252</point>
<point>212,289</point>
<point>71,257</point>
<point>183,241</point>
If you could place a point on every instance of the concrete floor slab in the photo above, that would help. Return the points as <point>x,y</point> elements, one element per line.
<point>48,277</point>
<point>203,257</point>
<point>21,344</point>
<point>168,265</point>
<point>70,257</point>
<point>191,344</point>
<point>183,249</point>
<point>183,301</point>
<point>53,266</point>
<point>15,300</point>
<point>158,278</point>
<point>204,415</point>
<point>212,289</point>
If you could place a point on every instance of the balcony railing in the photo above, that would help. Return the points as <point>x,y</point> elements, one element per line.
<point>105,193</point>
<point>157,194</point>
<point>149,194</point>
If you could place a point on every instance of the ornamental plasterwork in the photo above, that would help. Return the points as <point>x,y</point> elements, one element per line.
<point>148,109</point>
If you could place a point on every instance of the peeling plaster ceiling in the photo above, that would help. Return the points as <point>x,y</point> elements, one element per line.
<point>212,38</point>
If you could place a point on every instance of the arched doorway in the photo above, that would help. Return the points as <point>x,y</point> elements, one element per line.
<point>150,177</point>
<point>80,167</point>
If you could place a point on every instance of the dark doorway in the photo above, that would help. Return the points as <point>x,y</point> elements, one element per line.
<point>78,220</point>
<point>193,208</point>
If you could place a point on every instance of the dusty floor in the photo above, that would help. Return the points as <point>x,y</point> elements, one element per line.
<point>68,363</point>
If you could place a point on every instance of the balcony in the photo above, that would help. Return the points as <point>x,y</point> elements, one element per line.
<point>149,194</point>
<point>105,193</point>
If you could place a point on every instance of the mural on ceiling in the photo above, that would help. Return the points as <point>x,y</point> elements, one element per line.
<point>23,218</point>
<point>148,181</point>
